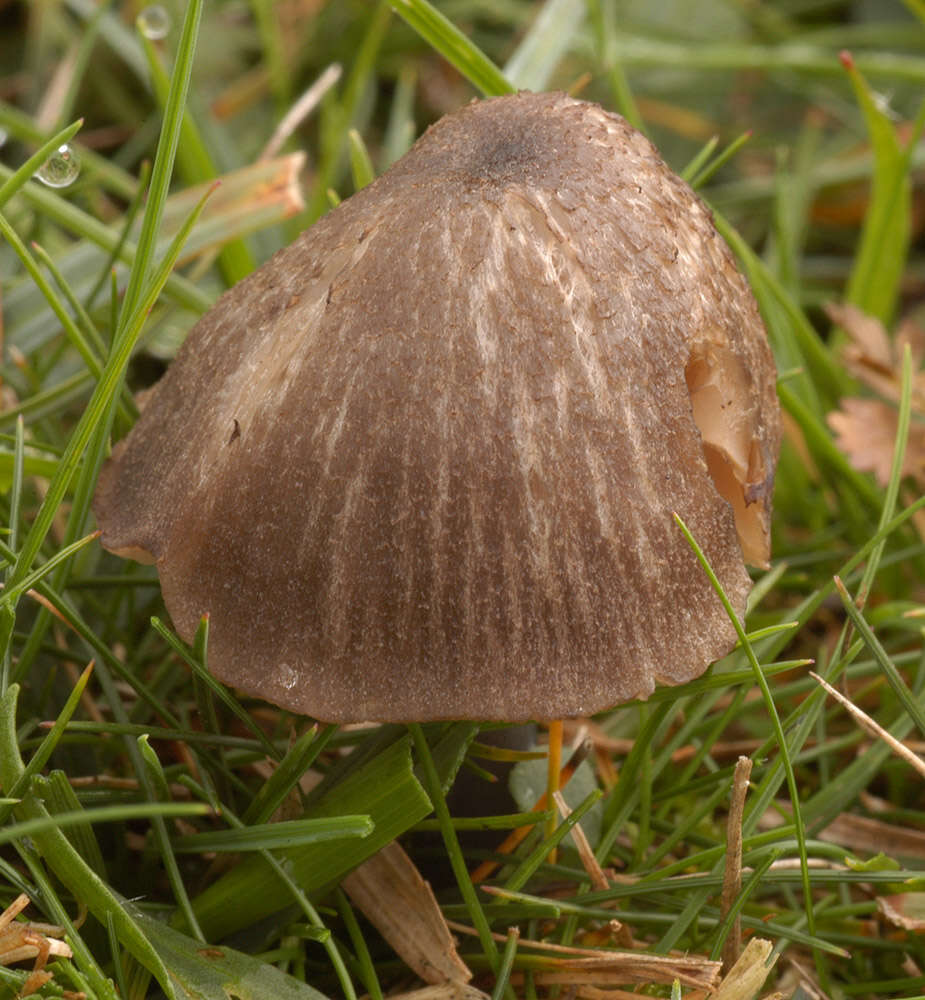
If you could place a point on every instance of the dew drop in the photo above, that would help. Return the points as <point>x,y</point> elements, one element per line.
<point>287,676</point>
<point>60,169</point>
<point>4,135</point>
<point>154,22</point>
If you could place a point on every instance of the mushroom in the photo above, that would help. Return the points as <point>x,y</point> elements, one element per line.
<point>423,464</point>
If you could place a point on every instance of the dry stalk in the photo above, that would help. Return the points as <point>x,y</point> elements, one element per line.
<point>591,864</point>
<point>868,724</point>
<point>20,941</point>
<point>586,967</point>
<point>302,108</point>
<point>732,877</point>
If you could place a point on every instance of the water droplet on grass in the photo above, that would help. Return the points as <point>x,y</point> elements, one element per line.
<point>154,22</point>
<point>60,169</point>
<point>4,135</point>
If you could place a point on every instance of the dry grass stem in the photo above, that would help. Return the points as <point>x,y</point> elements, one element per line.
<point>868,724</point>
<point>732,876</point>
<point>302,108</point>
<point>48,115</point>
<point>799,978</point>
<point>21,942</point>
<point>582,966</point>
<point>588,860</point>
<point>625,968</point>
<point>599,741</point>
<point>445,991</point>
<point>487,868</point>
<point>591,993</point>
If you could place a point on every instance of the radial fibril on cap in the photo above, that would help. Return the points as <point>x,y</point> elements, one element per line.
<point>423,463</point>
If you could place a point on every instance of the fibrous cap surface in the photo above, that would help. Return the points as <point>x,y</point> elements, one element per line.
<point>423,463</point>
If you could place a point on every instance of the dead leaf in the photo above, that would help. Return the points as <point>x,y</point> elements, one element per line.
<point>390,891</point>
<point>876,359</point>
<point>871,345</point>
<point>865,431</point>
<point>863,835</point>
<point>906,910</point>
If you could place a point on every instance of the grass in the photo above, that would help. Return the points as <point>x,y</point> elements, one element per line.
<point>128,774</point>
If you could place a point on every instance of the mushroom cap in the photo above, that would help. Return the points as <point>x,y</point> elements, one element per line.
<point>423,463</point>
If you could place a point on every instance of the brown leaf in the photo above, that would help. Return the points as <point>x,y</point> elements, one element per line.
<point>912,333</point>
<point>865,431</point>
<point>875,358</point>
<point>863,834</point>
<point>871,343</point>
<point>906,910</point>
<point>389,890</point>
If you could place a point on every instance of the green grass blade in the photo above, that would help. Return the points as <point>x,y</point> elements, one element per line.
<point>292,833</point>
<point>158,789</point>
<point>60,798</point>
<point>707,170</point>
<point>300,757</point>
<point>459,51</point>
<point>908,700</point>
<point>700,159</point>
<point>507,963</point>
<point>896,472</point>
<point>195,164</point>
<point>73,219</point>
<point>13,592</point>
<point>17,179</point>
<point>40,823</point>
<point>796,344</point>
<point>783,746</point>
<point>361,165</point>
<point>554,30</point>
<point>42,755</point>
<point>301,900</point>
<point>384,788</point>
<point>162,170</point>
<point>526,869</point>
<point>61,857</point>
<point>217,689</point>
<point>881,254</point>
<point>451,841</point>
<point>217,973</point>
<point>604,28</point>
<point>130,321</point>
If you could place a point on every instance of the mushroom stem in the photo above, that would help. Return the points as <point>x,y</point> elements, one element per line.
<point>554,767</point>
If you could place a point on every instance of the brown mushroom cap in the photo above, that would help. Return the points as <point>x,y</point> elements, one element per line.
<point>423,463</point>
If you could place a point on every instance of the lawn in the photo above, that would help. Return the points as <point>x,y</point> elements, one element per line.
<point>757,831</point>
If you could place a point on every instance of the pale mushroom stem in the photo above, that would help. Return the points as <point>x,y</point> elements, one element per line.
<point>554,768</point>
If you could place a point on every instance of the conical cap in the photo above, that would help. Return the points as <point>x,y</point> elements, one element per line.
<point>423,464</point>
